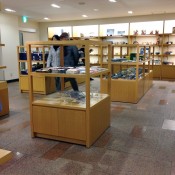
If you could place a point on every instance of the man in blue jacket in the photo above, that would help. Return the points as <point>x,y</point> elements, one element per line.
<point>71,57</point>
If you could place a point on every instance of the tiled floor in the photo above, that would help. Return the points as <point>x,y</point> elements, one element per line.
<point>140,141</point>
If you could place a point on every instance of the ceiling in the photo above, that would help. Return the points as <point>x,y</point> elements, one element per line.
<point>74,9</point>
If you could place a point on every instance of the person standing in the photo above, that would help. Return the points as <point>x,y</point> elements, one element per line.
<point>71,58</point>
<point>53,59</point>
<point>82,55</point>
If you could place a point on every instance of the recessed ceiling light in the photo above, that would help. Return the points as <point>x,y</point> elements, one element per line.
<point>112,1</point>
<point>54,5</point>
<point>85,16</point>
<point>130,12</point>
<point>10,10</point>
<point>96,10</point>
<point>46,18</point>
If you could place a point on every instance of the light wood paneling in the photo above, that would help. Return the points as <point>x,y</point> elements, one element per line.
<point>24,83</point>
<point>4,99</point>
<point>42,85</point>
<point>157,72</point>
<point>45,120</point>
<point>129,91</point>
<point>99,120</point>
<point>5,156</point>
<point>168,72</point>
<point>72,124</point>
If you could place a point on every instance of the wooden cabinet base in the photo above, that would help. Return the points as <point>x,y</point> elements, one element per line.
<point>168,72</point>
<point>41,85</point>
<point>130,91</point>
<point>5,156</point>
<point>71,125</point>
<point>4,100</point>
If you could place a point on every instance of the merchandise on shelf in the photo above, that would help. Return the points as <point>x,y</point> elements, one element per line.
<point>129,73</point>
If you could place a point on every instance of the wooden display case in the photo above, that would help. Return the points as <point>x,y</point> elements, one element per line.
<point>41,85</point>
<point>4,98</point>
<point>5,156</point>
<point>131,91</point>
<point>54,118</point>
<point>168,57</point>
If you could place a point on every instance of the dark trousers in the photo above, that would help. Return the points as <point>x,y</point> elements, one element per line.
<point>58,83</point>
<point>73,83</point>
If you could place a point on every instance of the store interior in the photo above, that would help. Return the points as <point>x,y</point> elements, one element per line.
<point>121,119</point>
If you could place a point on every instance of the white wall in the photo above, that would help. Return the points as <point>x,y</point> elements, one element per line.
<point>29,26</point>
<point>9,37</point>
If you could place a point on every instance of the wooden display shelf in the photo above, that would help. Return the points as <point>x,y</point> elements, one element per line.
<point>4,99</point>
<point>54,118</point>
<point>125,90</point>
<point>69,122</point>
<point>41,85</point>
<point>5,156</point>
<point>130,91</point>
<point>168,72</point>
<point>56,100</point>
<point>2,67</point>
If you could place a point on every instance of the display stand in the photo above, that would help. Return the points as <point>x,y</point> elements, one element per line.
<point>4,100</point>
<point>41,85</point>
<point>131,91</point>
<point>54,118</point>
<point>5,156</point>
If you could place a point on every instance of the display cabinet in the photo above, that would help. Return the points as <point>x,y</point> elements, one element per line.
<point>156,33</point>
<point>61,117</point>
<point>131,79</point>
<point>4,98</point>
<point>168,57</point>
<point>41,85</point>
<point>5,156</point>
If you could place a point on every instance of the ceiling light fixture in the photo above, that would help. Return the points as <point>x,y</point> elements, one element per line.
<point>96,10</point>
<point>46,18</point>
<point>10,10</point>
<point>85,16</point>
<point>130,12</point>
<point>55,6</point>
<point>112,1</point>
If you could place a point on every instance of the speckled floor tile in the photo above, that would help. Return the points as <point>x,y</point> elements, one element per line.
<point>162,87</point>
<point>169,124</point>
<point>163,102</point>
<point>137,142</point>
<point>57,151</point>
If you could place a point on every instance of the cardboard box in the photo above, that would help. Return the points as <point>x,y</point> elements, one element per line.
<point>4,100</point>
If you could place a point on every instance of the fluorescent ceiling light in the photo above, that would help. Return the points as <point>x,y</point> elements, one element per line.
<point>112,1</point>
<point>85,16</point>
<point>46,18</point>
<point>54,5</point>
<point>130,12</point>
<point>10,10</point>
